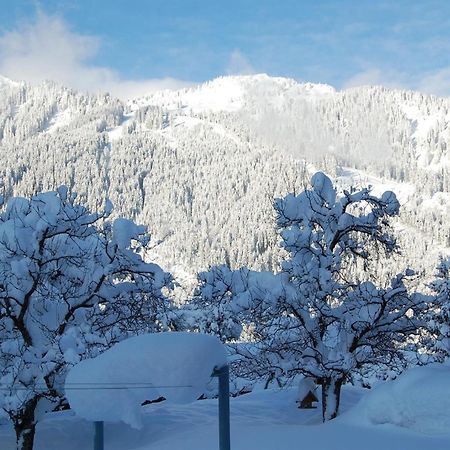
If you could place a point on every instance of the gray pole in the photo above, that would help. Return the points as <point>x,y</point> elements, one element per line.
<point>224,407</point>
<point>98,437</point>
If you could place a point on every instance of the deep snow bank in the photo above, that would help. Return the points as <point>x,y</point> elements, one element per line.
<point>419,399</point>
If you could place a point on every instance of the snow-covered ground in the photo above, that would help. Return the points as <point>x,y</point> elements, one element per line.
<point>59,120</point>
<point>117,132</point>
<point>352,177</point>
<point>270,420</point>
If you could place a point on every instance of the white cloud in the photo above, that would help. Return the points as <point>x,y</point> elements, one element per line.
<point>376,77</point>
<point>436,83</point>
<point>48,50</point>
<point>126,89</point>
<point>238,64</point>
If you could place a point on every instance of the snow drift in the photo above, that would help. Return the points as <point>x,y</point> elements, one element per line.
<point>419,400</point>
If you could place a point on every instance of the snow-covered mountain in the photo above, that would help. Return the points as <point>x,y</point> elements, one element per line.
<point>201,166</point>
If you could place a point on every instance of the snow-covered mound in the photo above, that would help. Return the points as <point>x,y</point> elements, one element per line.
<point>418,399</point>
<point>113,386</point>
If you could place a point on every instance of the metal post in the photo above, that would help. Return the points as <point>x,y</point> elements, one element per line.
<point>224,407</point>
<point>98,437</point>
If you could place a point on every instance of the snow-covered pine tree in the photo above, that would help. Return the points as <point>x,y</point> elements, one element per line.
<point>71,284</point>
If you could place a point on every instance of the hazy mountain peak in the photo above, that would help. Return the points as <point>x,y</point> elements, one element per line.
<point>4,81</point>
<point>231,93</point>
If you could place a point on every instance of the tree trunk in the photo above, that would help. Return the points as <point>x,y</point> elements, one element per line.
<point>331,396</point>
<point>25,426</point>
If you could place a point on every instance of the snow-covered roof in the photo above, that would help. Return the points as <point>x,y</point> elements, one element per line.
<point>305,386</point>
<point>112,386</point>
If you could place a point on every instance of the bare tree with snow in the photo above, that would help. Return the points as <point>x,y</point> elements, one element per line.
<point>317,317</point>
<point>71,284</point>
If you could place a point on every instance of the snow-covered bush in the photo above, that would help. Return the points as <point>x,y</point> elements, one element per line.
<point>438,339</point>
<point>71,284</point>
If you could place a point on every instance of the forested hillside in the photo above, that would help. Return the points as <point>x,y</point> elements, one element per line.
<point>201,167</point>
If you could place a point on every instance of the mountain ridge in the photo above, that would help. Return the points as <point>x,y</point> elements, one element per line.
<point>202,165</point>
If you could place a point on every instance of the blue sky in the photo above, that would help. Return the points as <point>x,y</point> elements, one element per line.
<point>137,45</point>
